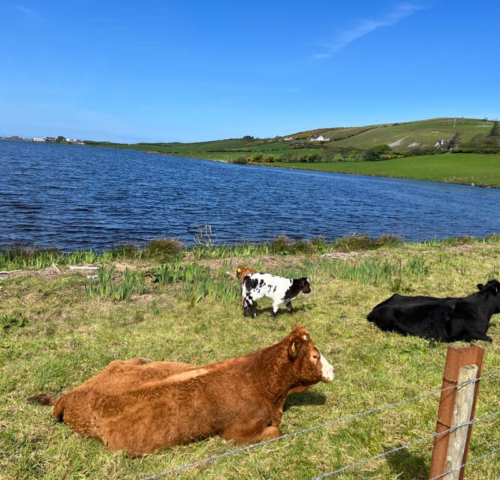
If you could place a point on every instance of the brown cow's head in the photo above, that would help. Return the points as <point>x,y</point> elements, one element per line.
<point>308,365</point>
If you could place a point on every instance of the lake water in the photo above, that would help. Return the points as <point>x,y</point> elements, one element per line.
<point>81,197</point>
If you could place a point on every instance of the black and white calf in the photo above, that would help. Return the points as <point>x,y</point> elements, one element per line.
<point>280,289</point>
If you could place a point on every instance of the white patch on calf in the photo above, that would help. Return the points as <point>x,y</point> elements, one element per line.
<point>327,371</point>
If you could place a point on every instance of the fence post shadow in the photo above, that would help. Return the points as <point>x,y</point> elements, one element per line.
<point>407,465</point>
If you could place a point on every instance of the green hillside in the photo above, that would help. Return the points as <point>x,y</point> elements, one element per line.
<point>413,134</point>
<point>400,137</point>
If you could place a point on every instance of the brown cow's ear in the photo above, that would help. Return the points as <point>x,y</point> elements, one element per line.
<point>295,348</point>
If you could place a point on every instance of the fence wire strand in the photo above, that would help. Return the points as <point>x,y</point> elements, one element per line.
<point>408,445</point>
<point>487,454</point>
<point>318,427</point>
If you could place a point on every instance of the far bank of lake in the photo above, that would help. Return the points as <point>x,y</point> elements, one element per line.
<point>458,168</point>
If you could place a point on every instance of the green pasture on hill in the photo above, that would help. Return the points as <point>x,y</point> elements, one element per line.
<point>403,135</point>
<point>462,168</point>
<point>59,328</point>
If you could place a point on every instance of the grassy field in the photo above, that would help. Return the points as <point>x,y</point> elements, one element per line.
<point>59,328</point>
<point>401,136</point>
<point>462,168</point>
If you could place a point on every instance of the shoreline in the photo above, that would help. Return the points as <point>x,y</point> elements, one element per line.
<point>171,250</point>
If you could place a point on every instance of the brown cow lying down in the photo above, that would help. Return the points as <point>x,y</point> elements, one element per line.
<point>142,407</point>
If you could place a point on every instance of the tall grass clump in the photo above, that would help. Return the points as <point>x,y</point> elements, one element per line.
<point>24,257</point>
<point>280,245</point>
<point>125,251</point>
<point>107,285</point>
<point>359,242</point>
<point>164,249</point>
<point>376,271</point>
<point>197,282</point>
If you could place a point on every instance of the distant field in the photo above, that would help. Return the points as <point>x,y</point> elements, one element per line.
<point>462,168</point>
<point>401,136</point>
<point>274,149</point>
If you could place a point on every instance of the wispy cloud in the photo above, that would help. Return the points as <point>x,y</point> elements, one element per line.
<point>364,27</point>
<point>22,8</point>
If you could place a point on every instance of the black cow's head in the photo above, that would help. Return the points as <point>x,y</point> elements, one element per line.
<point>493,286</point>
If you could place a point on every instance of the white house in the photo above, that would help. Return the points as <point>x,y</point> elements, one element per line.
<point>319,138</point>
<point>38,139</point>
<point>287,139</point>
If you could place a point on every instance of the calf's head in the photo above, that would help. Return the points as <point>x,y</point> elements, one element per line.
<point>308,365</point>
<point>305,287</point>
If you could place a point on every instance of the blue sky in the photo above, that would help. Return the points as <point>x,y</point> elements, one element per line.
<point>199,70</point>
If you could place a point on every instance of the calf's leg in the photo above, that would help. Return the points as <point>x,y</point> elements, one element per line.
<point>276,305</point>
<point>250,307</point>
<point>289,306</point>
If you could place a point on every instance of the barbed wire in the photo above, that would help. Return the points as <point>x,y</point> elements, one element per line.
<point>317,427</point>
<point>408,445</point>
<point>487,454</point>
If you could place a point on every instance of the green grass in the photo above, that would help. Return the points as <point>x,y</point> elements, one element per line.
<point>461,168</point>
<point>55,335</point>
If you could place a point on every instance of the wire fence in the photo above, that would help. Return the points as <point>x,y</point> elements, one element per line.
<point>409,445</point>
<point>339,421</point>
<point>472,462</point>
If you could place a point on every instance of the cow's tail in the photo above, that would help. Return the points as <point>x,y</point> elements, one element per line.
<point>42,399</point>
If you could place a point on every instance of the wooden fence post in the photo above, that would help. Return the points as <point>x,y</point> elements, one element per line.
<point>451,414</point>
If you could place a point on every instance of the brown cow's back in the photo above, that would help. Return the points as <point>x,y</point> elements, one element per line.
<point>138,418</point>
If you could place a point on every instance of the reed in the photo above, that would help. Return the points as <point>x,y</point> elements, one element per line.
<point>107,284</point>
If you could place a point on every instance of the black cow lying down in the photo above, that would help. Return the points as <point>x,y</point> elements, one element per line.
<point>443,319</point>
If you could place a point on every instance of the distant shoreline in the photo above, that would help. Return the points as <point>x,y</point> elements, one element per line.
<point>472,169</point>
